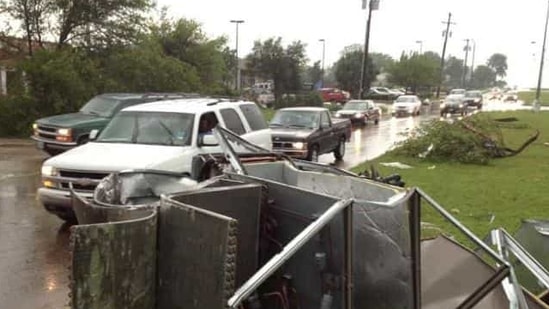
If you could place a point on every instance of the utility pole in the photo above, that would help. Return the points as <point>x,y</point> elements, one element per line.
<point>446,33</point>
<point>237,78</point>
<point>374,5</point>
<point>538,89</point>
<point>464,73</point>
<point>472,62</point>
<point>323,53</point>
<point>420,47</point>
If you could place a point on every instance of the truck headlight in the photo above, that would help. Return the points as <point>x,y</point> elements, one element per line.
<point>35,126</point>
<point>358,115</point>
<point>461,106</point>
<point>298,145</point>
<point>49,170</point>
<point>477,100</point>
<point>64,132</point>
<point>337,115</point>
<point>442,105</point>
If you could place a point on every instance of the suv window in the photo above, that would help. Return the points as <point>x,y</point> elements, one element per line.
<point>254,116</point>
<point>232,121</point>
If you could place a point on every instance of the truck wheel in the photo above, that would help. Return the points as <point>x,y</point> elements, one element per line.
<point>339,152</point>
<point>83,139</point>
<point>312,154</point>
<point>376,122</point>
<point>69,218</point>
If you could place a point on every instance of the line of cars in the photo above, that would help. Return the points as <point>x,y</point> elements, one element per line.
<point>458,101</point>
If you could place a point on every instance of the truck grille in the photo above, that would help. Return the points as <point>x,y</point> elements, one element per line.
<point>93,177</point>
<point>47,132</point>
<point>282,144</point>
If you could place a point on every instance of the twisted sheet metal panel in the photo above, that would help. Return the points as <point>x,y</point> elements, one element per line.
<point>187,279</point>
<point>382,257</point>
<point>241,202</point>
<point>113,264</point>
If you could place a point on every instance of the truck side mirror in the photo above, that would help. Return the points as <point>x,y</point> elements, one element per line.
<point>93,134</point>
<point>207,140</point>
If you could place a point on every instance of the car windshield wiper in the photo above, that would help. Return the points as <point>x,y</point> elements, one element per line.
<point>92,113</point>
<point>298,126</point>
<point>275,124</point>
<point>171,135</point>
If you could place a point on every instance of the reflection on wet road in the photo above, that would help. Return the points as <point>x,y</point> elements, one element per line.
<point>34,252</point>
<point>372,141</point>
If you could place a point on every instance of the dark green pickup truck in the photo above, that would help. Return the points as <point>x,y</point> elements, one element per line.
<point>58,133</point>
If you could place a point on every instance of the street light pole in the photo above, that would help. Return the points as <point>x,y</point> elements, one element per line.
<point>538,89</point>
<point>420,47</point>
<point>237,78</point>
<point>473,61</point>
<point>464,75</point>
<point>323,53</point>
<point>373,5</point>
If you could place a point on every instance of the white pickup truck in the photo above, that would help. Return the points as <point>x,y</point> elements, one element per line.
<point>161,136</point>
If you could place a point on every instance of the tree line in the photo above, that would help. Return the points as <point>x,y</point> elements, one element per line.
<point>75,49</point>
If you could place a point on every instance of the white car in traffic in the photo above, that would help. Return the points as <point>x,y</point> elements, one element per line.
<point>407,105</point>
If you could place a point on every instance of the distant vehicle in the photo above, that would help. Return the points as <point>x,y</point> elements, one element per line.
<point>262,88</point>
<point>407,105</point>
<point>360,111</point>
<point>457,91</point>
<point>510,96</point>
<point>381,94</point>
<point>398,91</point>
<point>453,104</point>
<point>473,98</point>
<point>59,133</point>
<point>334,95</point>
<point>308,132</point>
<point>163,136</point>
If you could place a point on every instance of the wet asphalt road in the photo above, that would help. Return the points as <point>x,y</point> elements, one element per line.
<point>34,245</point>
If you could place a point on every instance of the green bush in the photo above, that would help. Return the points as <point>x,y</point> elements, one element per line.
<point>452,141</point>
<point>17,114</point>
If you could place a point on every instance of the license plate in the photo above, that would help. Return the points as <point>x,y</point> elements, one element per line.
<point>40,145</point>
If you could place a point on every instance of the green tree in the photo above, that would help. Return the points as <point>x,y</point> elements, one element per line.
<point>415,72</point>
<point>382,62</point>
<point>147,69</point>
<point>283,66</point>
<point>314,73</point>
<point>185,40</point>
<point>453,70</point>
<point>483,77</point>
<point>348,69</point>
<point>498,63</point>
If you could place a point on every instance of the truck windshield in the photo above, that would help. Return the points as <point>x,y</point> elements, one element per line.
<point>170,129</point>
<point>299,119</point>
<point>100,106</point>
<point>355,106</point>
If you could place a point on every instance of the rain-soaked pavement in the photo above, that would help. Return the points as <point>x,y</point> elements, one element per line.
<point>34,246</point>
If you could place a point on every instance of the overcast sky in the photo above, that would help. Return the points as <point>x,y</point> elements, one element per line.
<point>502,26</point>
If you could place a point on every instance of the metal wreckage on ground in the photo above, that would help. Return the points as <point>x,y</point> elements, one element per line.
<point>259,230</point>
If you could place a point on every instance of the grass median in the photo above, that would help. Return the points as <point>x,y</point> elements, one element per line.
<point>483,197</point>
<point>528,97</point>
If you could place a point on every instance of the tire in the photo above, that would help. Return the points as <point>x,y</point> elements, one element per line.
<point>376,122</point>
<point>83,139</point>
<point>339,152</point>
<point>69,218</point>
<point>312,154</point>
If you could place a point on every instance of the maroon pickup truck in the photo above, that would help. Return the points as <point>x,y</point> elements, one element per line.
<point>308,132</point>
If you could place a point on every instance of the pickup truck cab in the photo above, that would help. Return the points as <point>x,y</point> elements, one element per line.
<point>163,136</point>
<point>59,133</point>
<point>308,132</point>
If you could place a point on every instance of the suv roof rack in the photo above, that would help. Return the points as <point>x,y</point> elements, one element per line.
<point>170,95</point>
